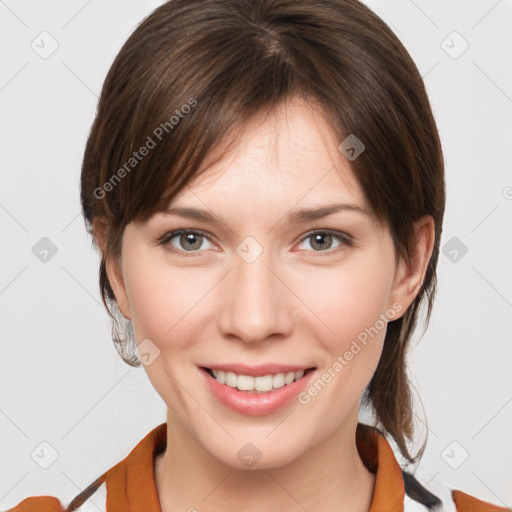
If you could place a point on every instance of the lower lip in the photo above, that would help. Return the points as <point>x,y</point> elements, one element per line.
<point>256,404</point>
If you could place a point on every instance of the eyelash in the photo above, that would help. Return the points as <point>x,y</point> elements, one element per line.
<point>343,238</point>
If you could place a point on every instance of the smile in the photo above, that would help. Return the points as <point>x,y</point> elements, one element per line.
<point>255,395</point>
<point>260,384</point>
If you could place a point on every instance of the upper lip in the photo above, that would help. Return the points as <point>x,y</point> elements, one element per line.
<point>258,370</point>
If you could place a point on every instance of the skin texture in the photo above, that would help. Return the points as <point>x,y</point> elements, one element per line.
<point>299,302</point>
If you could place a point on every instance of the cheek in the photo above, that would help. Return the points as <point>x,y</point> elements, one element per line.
<point>347,301</point>
<point>164,300</point>
<point>352,303</point>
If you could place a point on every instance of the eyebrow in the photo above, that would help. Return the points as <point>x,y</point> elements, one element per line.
<point>294,216</point>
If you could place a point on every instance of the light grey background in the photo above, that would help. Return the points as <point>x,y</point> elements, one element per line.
<point>62,381</point>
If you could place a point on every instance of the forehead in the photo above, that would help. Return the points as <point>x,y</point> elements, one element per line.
<point>278,159</point>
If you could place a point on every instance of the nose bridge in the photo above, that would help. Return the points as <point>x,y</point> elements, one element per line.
<point>254,302</point>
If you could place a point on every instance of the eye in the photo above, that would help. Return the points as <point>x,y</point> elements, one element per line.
<point>321,241</point>
<point>187,240</point>
<point>190,241</point>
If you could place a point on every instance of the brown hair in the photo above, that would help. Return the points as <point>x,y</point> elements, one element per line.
<point>195,71</point>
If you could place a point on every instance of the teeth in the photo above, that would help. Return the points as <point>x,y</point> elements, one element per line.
<point>256,384</point>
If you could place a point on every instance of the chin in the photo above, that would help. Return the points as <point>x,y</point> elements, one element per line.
<point>252,454</point>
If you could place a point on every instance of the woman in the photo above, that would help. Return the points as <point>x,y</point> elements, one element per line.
<point>293,146</point>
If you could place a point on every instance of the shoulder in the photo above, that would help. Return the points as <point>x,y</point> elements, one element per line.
<point>450,501</point>
<point>466,503</point>
<point>134,472</point>
<point>92,499</point>
<point>39,504</point>
<point>393,481</point>
<point>438,497</point>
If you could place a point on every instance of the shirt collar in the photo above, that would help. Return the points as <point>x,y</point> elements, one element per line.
<point>378,457</point>
<point>131,483</point>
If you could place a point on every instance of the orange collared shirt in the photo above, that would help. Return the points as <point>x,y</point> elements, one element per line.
<point>129,486</point>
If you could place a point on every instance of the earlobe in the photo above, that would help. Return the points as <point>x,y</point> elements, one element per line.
<point>112,268</point>
<point>411,274</point>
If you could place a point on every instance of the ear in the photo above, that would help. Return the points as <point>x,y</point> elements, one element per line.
<point>113,267</point>
<point>410,274</point>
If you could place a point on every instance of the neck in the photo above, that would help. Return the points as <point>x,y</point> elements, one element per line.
<point>330,476</point>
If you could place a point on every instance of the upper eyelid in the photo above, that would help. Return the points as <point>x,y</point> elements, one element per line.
<point>177,232</point>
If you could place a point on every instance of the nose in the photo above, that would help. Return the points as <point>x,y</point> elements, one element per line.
<point>255,303</point>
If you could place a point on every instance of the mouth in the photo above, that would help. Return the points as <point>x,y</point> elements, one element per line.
<point>257,384</point>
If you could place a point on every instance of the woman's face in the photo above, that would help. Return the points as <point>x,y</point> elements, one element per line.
<point>256,286</point>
